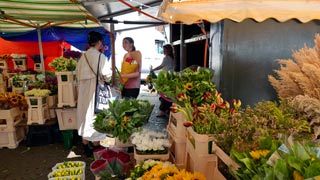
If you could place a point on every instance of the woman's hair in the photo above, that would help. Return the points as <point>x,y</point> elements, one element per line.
<point>170,51</point>
<point>130,40</point>
<point>94,37</point>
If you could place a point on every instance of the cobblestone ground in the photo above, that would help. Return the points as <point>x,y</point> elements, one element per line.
<point>35,163</point>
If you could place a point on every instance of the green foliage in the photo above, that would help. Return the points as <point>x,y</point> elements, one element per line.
<point>172,83</point>
<point>123,118</point>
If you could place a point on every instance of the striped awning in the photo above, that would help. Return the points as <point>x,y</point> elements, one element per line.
<point>191,11</point>
<point>25,15</point>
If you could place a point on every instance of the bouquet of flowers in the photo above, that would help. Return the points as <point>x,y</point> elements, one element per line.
<point>37,92</point>
<point>111,163</point>
<point>150,142</point>
<point>50,83</point>
<point>9,100</point>
<point>151,169</point>
<point>123,118</point>
<point>62,64</point>
<point>17,80</point>
<point>129,65</point>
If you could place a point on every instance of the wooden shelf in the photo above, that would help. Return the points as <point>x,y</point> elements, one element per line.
<point>191,40</point>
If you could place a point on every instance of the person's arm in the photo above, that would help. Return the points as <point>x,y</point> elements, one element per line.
<point>157,68</point>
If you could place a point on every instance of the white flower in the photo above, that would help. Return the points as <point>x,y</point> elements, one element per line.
<point>150,140</point>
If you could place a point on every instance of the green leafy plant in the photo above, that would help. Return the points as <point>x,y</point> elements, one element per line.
<point>123,118</point>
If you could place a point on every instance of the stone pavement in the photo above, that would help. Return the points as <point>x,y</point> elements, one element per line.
<point>155,123</point>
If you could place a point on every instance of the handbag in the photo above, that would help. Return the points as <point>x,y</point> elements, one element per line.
<point>103,91</point>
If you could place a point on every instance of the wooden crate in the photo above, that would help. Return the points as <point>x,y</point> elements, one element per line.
<point>67,118</point>
<point>38,115</point>
<point>142,157</point>
<point>17,90</point>
<point>2,81</point>
<point>52,113</point>
<point>20,63</point>
<point>225,158</point>
<point>176,126</point>
<point>12,139</point>
<point>36,102</point>
<point>3,87</point>
<point>52,101</point>
<point>37,67</point>
<point>202,155</point>
<point>177,150</point>
<point>9,119</point>
<point>3,64</point>
<point>67,93</point>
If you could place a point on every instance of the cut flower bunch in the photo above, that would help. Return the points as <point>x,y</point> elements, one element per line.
<point>150,142</point>
<point>158,170</point>
<point>192,83</point>
<point>9,100</point>
<point>123,118</point>
<point>37,93</point>
<point>62,64</point>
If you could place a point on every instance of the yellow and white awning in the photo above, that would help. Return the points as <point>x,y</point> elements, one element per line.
<point>191,11</point>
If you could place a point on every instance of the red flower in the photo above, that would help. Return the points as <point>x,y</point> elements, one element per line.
<point>129,59</point>
<point>213,107</point>
<point>174,108</point>
<point>109,154</point>
<point>182,97</point>
<point>97,163</point>
<point>123,157</point>
<point>187,124</point>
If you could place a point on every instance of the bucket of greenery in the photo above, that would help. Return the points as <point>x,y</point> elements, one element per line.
<point>123,118</point>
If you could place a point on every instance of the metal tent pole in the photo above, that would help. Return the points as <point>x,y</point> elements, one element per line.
<point>41,50</point>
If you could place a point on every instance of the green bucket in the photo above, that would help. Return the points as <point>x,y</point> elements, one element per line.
<point>67,138</point>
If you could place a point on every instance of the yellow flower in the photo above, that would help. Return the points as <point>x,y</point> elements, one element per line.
<point>188,86</point>
<point>126,118</point>
<point>255,154</point>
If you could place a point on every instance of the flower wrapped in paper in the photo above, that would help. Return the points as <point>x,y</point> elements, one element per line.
<point>129,64</point>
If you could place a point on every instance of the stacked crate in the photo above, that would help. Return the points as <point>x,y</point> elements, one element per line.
<point>12,128</point>
<point>3,85</point>
<point>67,101</point>
<point>66,89</point>
<point>38,111</point>
<point>20,61</point>
<point>52,102</point>
<point>177,137</point>
<point>199,155</point>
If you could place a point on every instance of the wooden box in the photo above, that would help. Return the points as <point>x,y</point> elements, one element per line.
<point>20,64</point>
<point>67,93</point>
<point>142,157</point>
<point>176,126</point>
<point>177,150</point>
<point>38,115</point>
<point>9,119</point>
<point>12,139</point>
<point>67,118</point>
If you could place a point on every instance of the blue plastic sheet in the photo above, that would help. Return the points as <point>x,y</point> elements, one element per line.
<point>77,37</point>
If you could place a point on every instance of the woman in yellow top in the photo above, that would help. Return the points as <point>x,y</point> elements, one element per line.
<point>130,69</point>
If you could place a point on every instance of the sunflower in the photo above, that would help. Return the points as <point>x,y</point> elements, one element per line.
<point>14,101</point>
<point>188,86</point>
